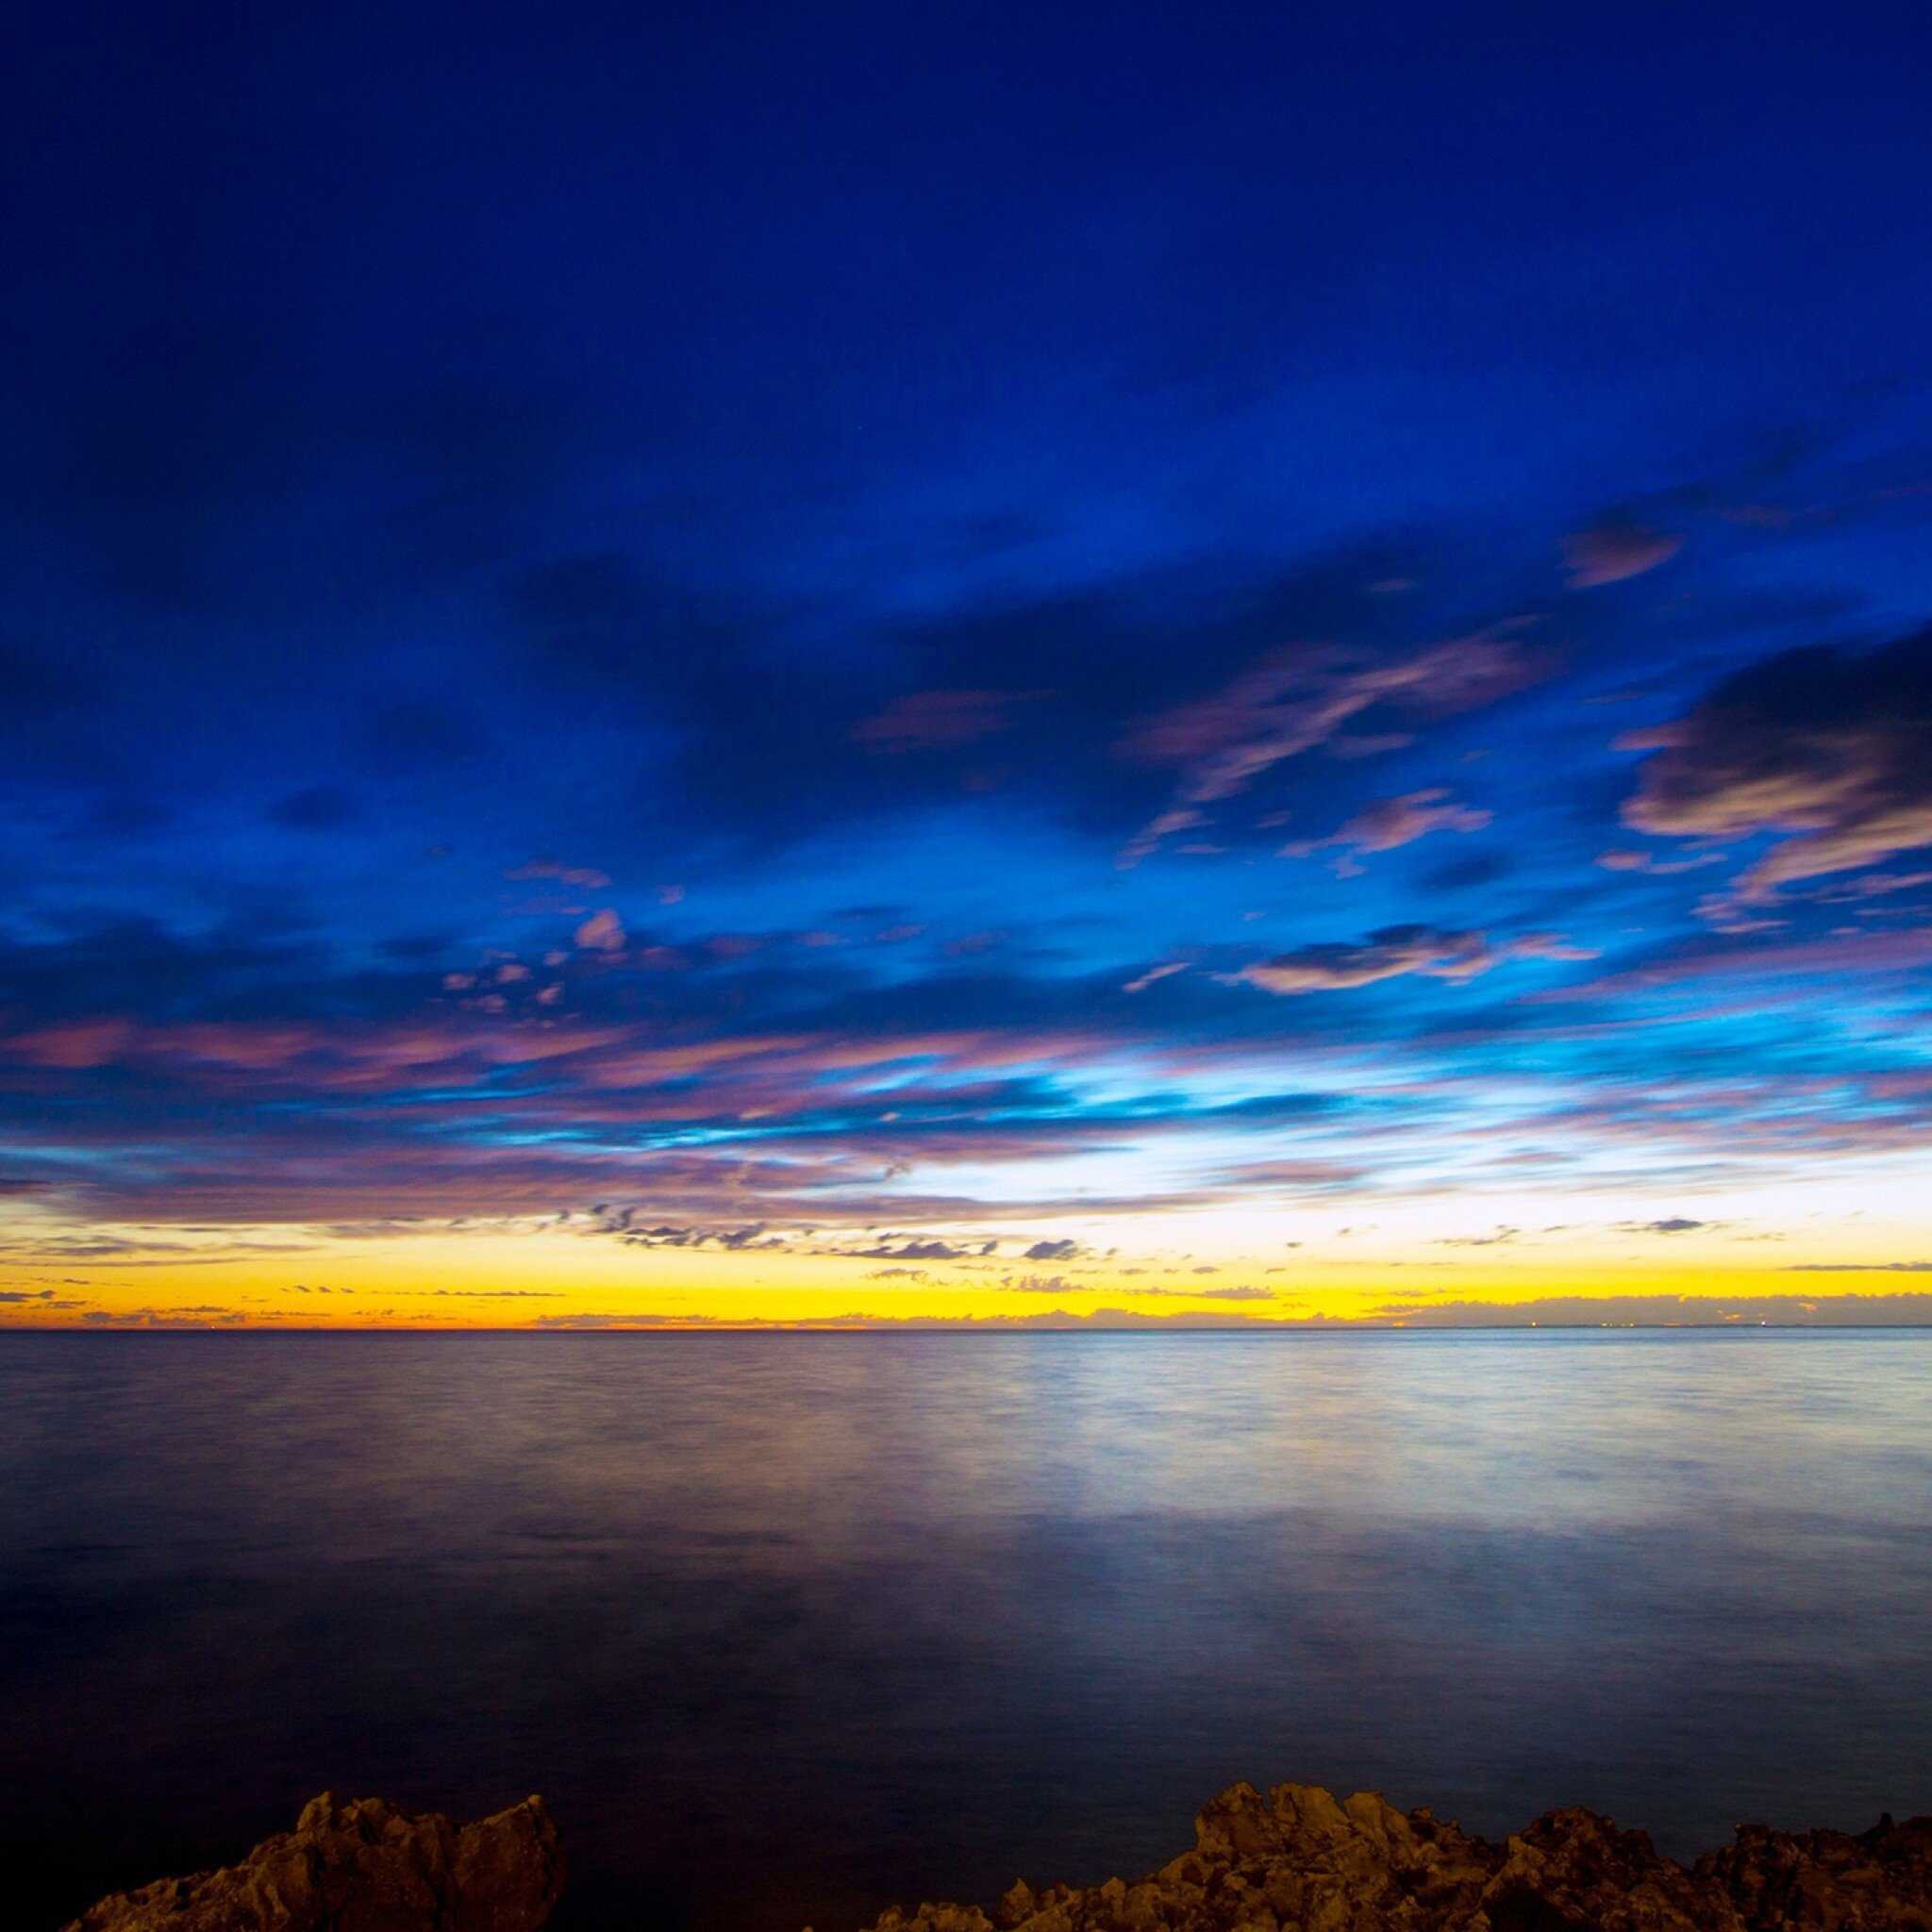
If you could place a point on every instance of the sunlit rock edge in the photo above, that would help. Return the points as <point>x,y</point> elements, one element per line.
<point>361,1865</point>
<point>1299,1860</point>
<point>1294,1861</point>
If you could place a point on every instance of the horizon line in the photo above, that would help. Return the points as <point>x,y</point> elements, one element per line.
<point>703,1329</point>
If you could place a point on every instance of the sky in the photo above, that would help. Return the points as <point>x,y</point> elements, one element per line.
<point>965,664</point>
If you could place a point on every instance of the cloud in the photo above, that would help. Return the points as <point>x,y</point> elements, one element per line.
<point>1299,698</point>
<point>1859,1268</point>
<point>934,720</point>
<point>1395,950</point>
<point>1676,1224</point>
<point>642,1321</point>
<point>1853,953</point>
<point>1386,953</point>
<point>633,1229</point>
<point>1826,751</point>
<point>1500,1238</point>
<point>73,1044</point>
<point>485,1294</point>
<point>586,877</point>
<point>1055,1284</point>
<point>200,1316</point>
<point>1664,1311</point>
<point>602,932</point>
<point>1874,886</point>
<point>1391,822</point>
<point>1052,1251</point>
<point>1368,744</point>
<point>1608,553</point>
<point>1624,859</point>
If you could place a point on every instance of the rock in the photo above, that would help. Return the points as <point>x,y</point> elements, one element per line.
<point>1879,1881</point>
<point>362,1866</point>
<point>1295,1861</point>
<point>1299,1860</point>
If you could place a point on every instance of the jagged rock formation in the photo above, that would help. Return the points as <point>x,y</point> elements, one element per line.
<point>362,1866</point>
<point>1298,1860</point>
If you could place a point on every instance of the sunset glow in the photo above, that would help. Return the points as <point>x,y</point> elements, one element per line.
<point>1353,745</point>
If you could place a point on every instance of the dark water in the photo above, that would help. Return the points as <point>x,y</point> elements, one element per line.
<point>786,1627</point>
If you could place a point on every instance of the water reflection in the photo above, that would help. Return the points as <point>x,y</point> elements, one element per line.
<point>786,1626</point>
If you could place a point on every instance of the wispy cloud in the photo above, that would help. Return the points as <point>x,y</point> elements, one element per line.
<point>1297,699</point>
<point>1390,823</point>
<point>1609,553</point>
<point>1397,950</point>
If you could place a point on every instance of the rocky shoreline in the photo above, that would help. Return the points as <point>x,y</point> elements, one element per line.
<point>362,1866</point>
<point>1297,1859</point>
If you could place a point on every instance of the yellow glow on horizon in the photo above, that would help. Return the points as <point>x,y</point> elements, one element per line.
<point>1272,1262</point>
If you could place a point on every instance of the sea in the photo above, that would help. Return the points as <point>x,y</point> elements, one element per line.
<point>787,1627</point>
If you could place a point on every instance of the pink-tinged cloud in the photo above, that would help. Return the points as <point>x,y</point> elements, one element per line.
<point>1627,860</point>
<point>587,877</point>
<point>1546,945</point>
<point>1611,552</point>
<point>1302,697</point>
<point>77,1044</point>
<point>602,932</point>
<point>1310,1179</point>
<point>1366,745</point>
<point>790,1068</point>
<point>1832,754</point>
<point>1876,886</point>
<point>938,720</point>
<point>1142,982</point>
<point>1864,952</point>
<point>1394,822</point>
<point>1398,950</point>
<point>339,1059</point>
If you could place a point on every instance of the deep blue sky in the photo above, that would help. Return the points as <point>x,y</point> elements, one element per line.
<point>1210,593</point>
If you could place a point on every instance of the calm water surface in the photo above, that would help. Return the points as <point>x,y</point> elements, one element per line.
<point>784,1626</point>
